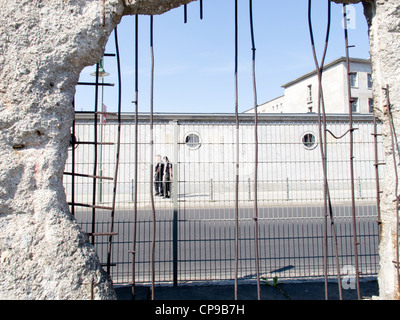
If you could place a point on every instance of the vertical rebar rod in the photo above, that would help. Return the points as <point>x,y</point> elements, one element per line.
<point>396,176</point>
<point>377,184</point>
<point>255,217</point>
<point>185,13</point>
<point>323,150</point>
<point>237,156</point>
<point>73,164</point>
<point>136,156</point>
<point>351,131</point>
<point>201,9</point>
<point>95,155</point>
<point>117,152</point>
<point>153,240</point>
<point>322,138</point>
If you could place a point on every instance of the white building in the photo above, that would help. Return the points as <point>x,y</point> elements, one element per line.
<point>301,94</point>
<point>202,148</point>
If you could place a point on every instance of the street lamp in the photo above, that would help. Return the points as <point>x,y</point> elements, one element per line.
<point>101,74</point>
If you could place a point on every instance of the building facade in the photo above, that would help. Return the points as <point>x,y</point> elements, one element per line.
<point>301,94</point>
<point>202,149</point>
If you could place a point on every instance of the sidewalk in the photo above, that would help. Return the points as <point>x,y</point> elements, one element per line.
<point>307,290</point>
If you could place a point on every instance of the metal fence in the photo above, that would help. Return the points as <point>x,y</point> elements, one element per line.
<point>195,235</point>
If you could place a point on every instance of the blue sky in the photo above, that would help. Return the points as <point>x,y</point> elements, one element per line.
<point>194,62</point>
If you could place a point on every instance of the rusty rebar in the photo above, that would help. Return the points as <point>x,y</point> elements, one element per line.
<point>153,240</point>
<point>73,164</point>
<point>117,152</point>
<point>350,100</point>
<point>95,155</point>
<point>341,136</point>
<point>237,156</point>
<point>133,251</point>
<point>396,176</point>
<point>322,138</point>
<point>323,150</point>
<point>255,216</point>
<point>377,184</point>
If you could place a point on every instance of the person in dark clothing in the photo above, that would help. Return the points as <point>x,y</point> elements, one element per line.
<point>167,177</point>
<point>158,177</point>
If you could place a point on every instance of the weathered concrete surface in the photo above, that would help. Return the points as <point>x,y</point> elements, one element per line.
<point>385,49</point>
<point>44,45</point>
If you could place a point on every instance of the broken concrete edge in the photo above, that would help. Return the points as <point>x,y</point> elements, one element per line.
<point>133,7</point>
<point>44,254</point>
<point>47,46</point>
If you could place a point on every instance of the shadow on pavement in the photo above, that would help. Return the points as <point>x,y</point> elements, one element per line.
<point>309,290</point>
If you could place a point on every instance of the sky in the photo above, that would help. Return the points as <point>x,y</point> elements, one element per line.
<point>194,61</point>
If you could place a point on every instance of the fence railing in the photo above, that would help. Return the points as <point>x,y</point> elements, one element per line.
<point>195,227</point>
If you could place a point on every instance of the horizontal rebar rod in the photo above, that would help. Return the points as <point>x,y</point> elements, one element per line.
<point>84,175</point>
<point>95,84</point>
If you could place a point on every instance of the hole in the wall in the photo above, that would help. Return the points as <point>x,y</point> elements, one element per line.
<point>173,72</point>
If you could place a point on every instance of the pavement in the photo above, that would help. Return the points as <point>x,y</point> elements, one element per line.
<point>305,290</point>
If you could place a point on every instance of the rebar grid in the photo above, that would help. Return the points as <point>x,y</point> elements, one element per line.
<point>98,172</point>
<point>204,235</point>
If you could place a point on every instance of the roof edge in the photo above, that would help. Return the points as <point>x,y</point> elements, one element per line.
<point>328,65</point>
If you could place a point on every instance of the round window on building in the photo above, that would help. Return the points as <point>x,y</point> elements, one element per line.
<point>192,140</point>
<point>309,140</point>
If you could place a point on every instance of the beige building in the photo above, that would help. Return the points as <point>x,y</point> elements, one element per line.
<point>301,94</point>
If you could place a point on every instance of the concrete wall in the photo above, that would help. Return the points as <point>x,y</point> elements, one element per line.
<point>289,171</point>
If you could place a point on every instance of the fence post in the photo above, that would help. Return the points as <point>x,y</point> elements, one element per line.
<point>175,205</point>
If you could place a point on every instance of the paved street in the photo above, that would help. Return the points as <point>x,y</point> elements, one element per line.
<point>199,244</point>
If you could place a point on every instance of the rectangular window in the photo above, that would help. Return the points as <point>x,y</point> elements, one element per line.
<point>354,105</point>
<point>309,93</point>
<point>371,105</point>
<point>369,81</point>
<point>353,80</point>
